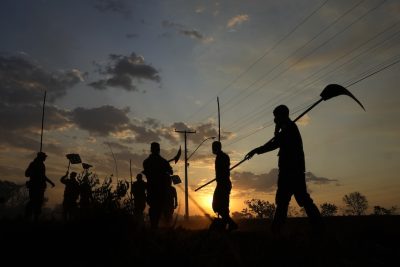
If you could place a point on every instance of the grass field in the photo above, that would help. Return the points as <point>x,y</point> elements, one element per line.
<point>348,241</point>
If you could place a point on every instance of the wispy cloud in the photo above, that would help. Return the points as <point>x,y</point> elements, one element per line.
<point>189,32</point>
<point>237,20</point>
<point>115,6</point>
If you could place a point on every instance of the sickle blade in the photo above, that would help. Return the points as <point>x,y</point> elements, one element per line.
<point>333,90</point>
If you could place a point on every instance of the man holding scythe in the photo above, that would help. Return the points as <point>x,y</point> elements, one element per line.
<point>291,179</point>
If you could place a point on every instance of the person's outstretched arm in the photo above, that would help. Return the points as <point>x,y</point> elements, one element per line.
<point>267,147</point>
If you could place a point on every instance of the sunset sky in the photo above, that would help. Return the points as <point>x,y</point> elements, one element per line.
<point>120,74</point>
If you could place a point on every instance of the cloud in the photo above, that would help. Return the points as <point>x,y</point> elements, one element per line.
<point>102,120</point>
<point>304,121</point>
<point>195,34</point>
<point>199,9</point>
<point>122,70</point>
<point>185,31</point>
<point>203,131</point>
<point>116,6</point>
<point>310,177</point>
<point>237,20</point>
<point>265,182</point>
<point>23,81</point>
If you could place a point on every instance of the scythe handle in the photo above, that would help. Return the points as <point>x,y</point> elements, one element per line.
<point>233,167</point>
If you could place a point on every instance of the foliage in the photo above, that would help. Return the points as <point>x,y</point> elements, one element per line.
<point>107,198</point>
<point>7,190</point>
<point>328,209</point>
<point>244,214</point>
<point>260,208</point>
<point>378,210</point>
<point>356,203</point>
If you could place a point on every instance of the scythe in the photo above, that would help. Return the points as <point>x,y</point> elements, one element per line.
<point>177,156</point>
<point>330,91</point>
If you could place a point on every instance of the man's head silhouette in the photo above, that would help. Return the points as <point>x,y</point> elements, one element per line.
<point>155,148</point>
<point>41,155</point>
<point>216,147</point>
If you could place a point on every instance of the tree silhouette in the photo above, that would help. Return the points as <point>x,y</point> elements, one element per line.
<point>261,208</point>
<point>356,203</point>
<point>328,209</point>
<point>378,210</point>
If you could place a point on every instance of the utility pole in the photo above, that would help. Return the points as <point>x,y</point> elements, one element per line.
<point>185,132</point>
<point>219,122</point>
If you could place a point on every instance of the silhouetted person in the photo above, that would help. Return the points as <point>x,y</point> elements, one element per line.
<point>85,199</point>
<point>36,171</point>
<point>291,179</point>
<point>138,191</point>
<point>220,203</point>
<point>171,202</point>
<point>71,195</point>
<point>157,171</point>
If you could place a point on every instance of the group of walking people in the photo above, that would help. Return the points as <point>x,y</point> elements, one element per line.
<point>160,195</point>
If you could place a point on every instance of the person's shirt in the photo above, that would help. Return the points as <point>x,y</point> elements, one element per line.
<point>139,190</point>
<point>222,165</point>
<point>72,189</point>
<point>155,168</point>
<point>291,154</point>
<point>36,171</point>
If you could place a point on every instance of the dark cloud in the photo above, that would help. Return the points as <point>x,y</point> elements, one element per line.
<point>122,70</point>
<point>203,131</point>
<point>183,30</point>
<point>193,34</point>
<point>23,81</point>
<point>265,182</point>
<point>102,120</point>
<point>310,177</point>
<point>152,122</point>
<point>28,117</point>
<point>116,145</point>
<point>144,135</point>
<point>116,6</point>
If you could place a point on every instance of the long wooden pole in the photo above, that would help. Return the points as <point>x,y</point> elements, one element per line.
<point>41,133</point>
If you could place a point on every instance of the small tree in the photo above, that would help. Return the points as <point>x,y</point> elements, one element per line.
<point>356,203</point>
<point>261,208</point>
<point>328,209</point>
<point>378,210</point>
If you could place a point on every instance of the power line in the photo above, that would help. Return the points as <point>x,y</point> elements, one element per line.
<point>314,50</point>
<point>291,55</point>
<point>351,84</point>
<point>259,59</point>
<point>259,111</point>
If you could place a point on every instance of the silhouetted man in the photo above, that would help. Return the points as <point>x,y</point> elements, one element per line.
<point>86,197</point>
<point>157,171</point>
<point>36,171</point>
<point>71,195</point>
<point>171,202</point>
<point>138,191</point>
<point>291,179</point>
<point>220,203</point>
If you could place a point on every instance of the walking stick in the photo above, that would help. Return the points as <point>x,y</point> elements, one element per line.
<point>330,91</point>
